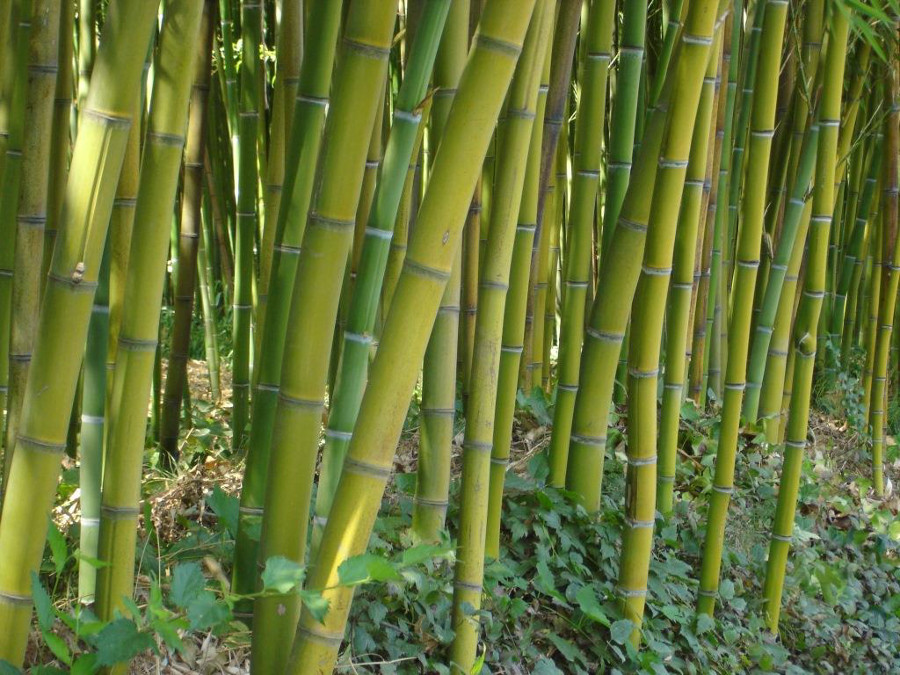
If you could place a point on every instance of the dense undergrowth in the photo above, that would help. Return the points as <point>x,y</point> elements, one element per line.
<point>550,603</point>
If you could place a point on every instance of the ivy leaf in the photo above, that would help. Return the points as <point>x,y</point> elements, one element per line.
<point>705,623</point>
<point>226,508</point>
<point>621,631</point>
<point>366,567</point>
<point>588,603</point>
<point>282,575</point>
<point>316,604</point>
<point>121,641</point>
<point>188,582</point>
<point>43,605</point>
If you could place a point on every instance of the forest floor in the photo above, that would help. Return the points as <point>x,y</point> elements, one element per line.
<point>550,603</point>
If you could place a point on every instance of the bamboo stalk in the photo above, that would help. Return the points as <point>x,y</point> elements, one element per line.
<point>432,250</point>
<point>804,347</point>
<point>359,79</point>
<point>65,312</point>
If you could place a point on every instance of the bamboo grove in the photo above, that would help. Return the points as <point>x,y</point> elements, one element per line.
<point>631,206</point>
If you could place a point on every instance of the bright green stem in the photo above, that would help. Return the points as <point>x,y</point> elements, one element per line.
<point>696,48</point>
<point>810,308</point>
<point>138,334</point>
<point>302,157</point>
<point>585,183</point>
<point>765,322</point>
<point>741,302</point>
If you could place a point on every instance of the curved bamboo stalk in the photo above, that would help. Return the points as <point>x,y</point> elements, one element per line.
<point>808,314</point>
<point>432,251</point>
<point>139,330</point>
<point>65,312</point>
<point>359,79</point>
<point>439,370</point>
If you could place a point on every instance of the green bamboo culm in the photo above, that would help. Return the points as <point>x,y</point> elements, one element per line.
<point>427,266</point>
<point>188,244</point>
<point>618,277</point>
<point>792,235</point>
<point>811,302</point>
<point>678,311</point>
<point>139,330</point>
<point>890,279</point>
<point>741,302</point>
<point>694,51</point>
<point>65,312</point>
<point>246,216</point>
<point>20,329</point>
<point>515,131</point>
<point>585,183</point>
<point>513,329</point>
<point>357,338</point>
<point>300,168</point>
<point>439,371</point>
<point>359,77</point>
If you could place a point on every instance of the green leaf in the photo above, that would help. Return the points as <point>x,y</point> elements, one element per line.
<point>121,641</point>
<point>226,508</point>
<point>58,646</point>
<point>43,605</point>
<point>726,589</point>
<point>6,668</point>
<point>85,664</point>
<point>316,604</point>
<point>282,575</point>
<point>544,666</point>
<point>366,567</point>
<point>167,629</point>
<point>705,623</point>
<point>423,552</point>
<point>621,631</point>
<point>96,563</point>
<point>588,603</point>
<point>206,611</point>
<point>188,582</point>
<point>58,551</point>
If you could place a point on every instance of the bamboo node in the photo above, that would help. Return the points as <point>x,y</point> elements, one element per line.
<point>15,599</point>
<point>357,466</point>
<point>631,593</point>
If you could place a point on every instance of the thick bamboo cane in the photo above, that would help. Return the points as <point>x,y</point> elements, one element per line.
<point>65,311</point>
<point>428,262</point>
<point>139,330</point>
<point>359,80</point>
<point>302,157</point>
<point>697,47</point>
